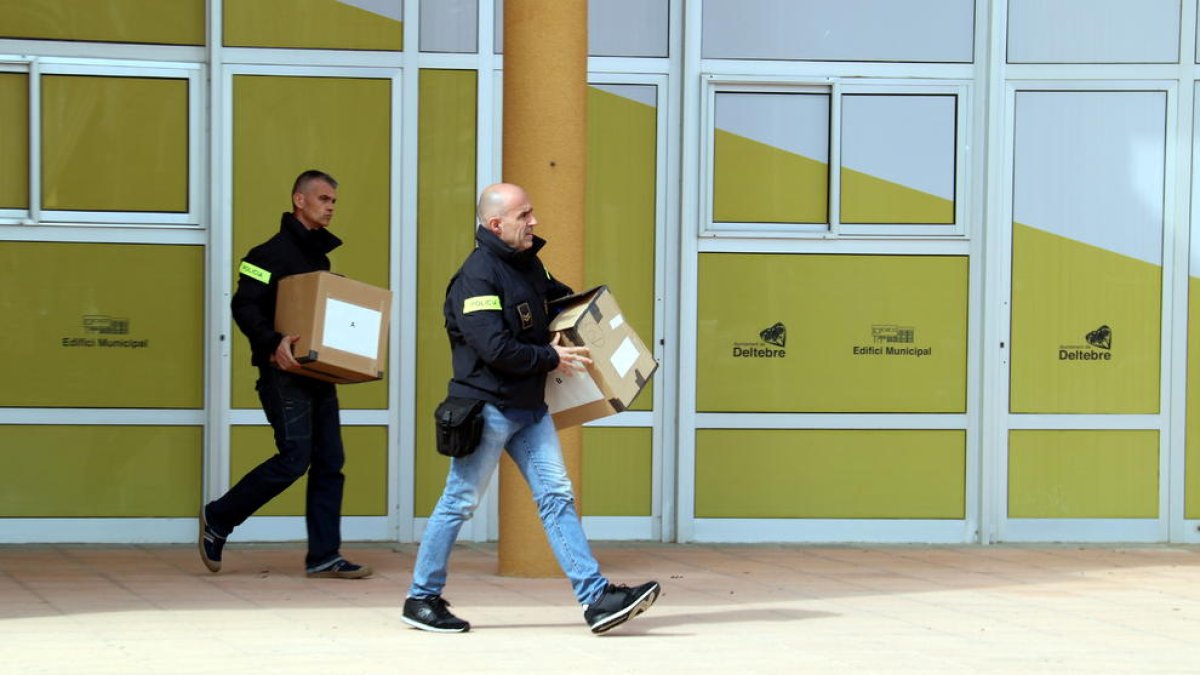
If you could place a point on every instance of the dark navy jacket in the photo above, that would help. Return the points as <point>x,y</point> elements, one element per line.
<point>497,319</point>
<point>293,250</point>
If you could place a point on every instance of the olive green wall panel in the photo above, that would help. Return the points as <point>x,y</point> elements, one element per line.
<point>1082,474</point>
<point>618,470</point>
<point>283,126</point>
<point>755,182</point>
<point>103,325</point>
<point>309,24</point>
<point>1191,486</point>
<point>100,471</point>
<point>621,215</point>
<point>898,157</point>
<point>445,235</point>
<point>366,469</point>
<point>1064,290</point>
<point>870,199</point>
<point>114,143</point>
<point>831,333</point>
<point>168,22</point>
<point>821,473</point>
<point>14,141</point>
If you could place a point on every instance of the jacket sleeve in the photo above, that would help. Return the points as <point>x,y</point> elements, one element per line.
<point>476,305</point>
<point>255,295</point>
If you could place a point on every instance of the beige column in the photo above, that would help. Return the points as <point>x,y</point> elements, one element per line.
<point>545,151</point>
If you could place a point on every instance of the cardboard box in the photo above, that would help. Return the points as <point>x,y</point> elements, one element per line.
<point>621,364</point>
<point>342,324</point>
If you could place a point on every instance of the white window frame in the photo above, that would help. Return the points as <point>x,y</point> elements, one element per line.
<point>834,228</point>
<point>35,215</point>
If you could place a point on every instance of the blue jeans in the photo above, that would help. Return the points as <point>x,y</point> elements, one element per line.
<point>535,449</point>
<point>304,415</point>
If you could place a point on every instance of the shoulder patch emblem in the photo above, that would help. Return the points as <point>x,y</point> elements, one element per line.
<point>481,302</point>
<point>255,272</point>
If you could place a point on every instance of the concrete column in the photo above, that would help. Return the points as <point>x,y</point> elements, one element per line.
<point>545,152</point>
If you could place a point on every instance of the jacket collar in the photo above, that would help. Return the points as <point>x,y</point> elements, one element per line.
<point>490,242</point>
<point>320,241</point>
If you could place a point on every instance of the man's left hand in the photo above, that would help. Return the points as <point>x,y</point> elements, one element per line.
<point>570,359</point>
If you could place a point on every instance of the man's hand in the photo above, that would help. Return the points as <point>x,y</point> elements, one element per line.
<point>570,359</point>
<point>283,354</point>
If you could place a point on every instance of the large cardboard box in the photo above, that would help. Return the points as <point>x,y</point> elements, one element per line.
<point>621,364</point>
<point>342,324</point>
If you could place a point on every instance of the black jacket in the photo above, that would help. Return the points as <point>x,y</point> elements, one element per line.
<point>294,250</point>
<point>497,318</point>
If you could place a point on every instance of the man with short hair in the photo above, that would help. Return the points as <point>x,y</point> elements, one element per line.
<point>303,412</point>
<point>497,317</point>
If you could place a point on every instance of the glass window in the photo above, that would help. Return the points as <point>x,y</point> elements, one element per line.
<point>1088,189</point>
<point>446,191</point>
<point>1093,31</point>
<point>14,141</point>
<point>863,158</point>
<point>1192,410</point>
<point>283,125</point>
<point>898,159</point>
<point>622,180</point>
<point>771,158</point>
<point>450,26</point>
<point>628,27</point>
<point>933,31</point>
<point>315,24</point>
<point>168,22</point>
<point>114,143</point>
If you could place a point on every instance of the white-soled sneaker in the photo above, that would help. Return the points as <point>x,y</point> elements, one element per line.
<point>619,604</point>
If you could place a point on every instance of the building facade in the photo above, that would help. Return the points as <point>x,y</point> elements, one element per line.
<point>914,272</point>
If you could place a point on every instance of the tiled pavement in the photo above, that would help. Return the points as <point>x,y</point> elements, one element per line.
<point>725,609</point>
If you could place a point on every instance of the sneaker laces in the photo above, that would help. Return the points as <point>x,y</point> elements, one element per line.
<point>441,606</point>
<point>610,591</point>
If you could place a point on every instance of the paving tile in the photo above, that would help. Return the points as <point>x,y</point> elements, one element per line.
<point>742,609</point>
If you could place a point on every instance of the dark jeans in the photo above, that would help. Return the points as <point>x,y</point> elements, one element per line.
<point>304,414</point>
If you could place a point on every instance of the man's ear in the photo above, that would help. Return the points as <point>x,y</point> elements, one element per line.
<point>297,199</point>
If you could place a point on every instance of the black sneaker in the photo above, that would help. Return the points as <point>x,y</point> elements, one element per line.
<point>432,614</point>
<point>619,604</point>
<point>210,543</point>
<point>338,568</point>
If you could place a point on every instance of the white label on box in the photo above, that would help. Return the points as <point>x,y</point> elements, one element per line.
<point>624,358</point>
<point>352,328</point>
<point>617,322</point>
<point>564,392</point>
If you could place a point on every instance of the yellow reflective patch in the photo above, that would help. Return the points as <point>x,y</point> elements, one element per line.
<point>255,272</point>
<point>481,302</point>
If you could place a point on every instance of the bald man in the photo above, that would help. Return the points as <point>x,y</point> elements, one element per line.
<point>497,317</point>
